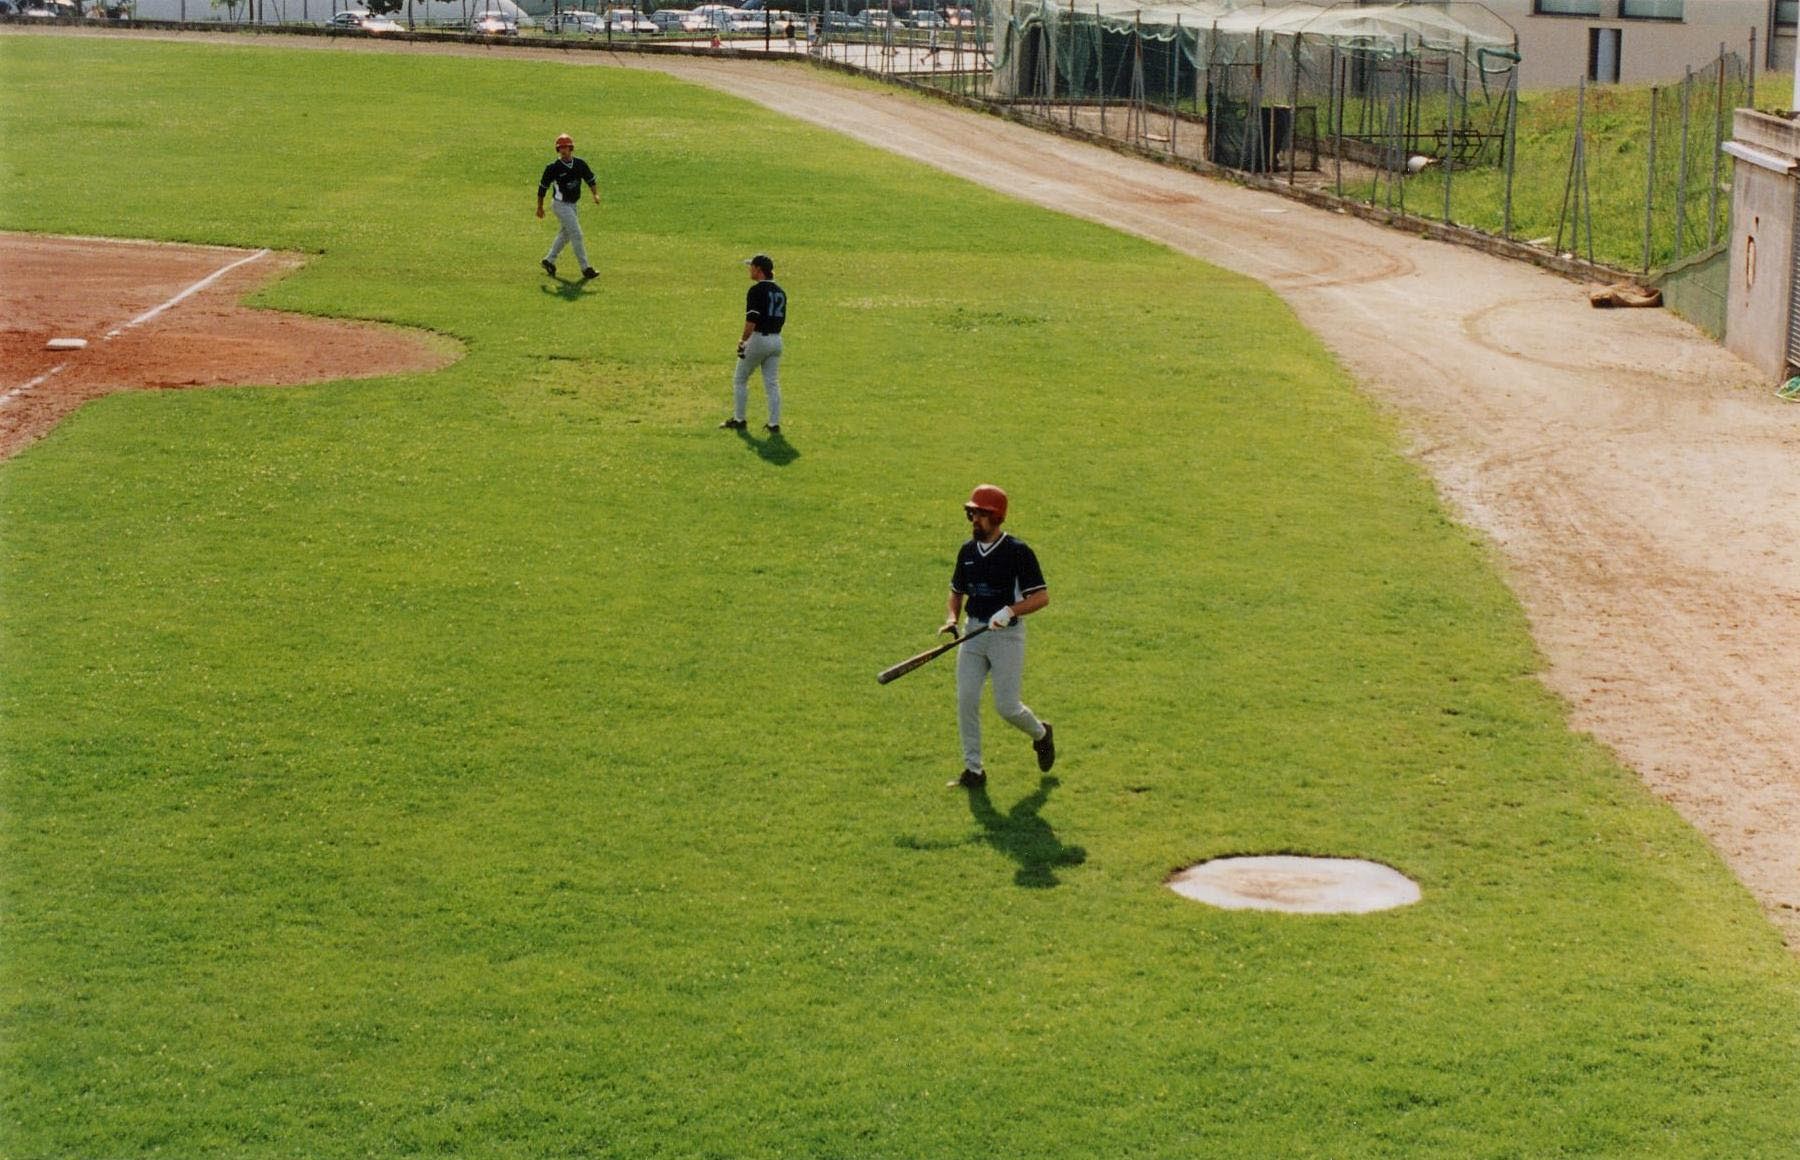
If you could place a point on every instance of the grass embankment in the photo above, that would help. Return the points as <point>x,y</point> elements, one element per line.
<point>490,762</point>
<point>1548,200</point>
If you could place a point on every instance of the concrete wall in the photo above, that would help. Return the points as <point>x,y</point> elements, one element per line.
<point>1762,239</point>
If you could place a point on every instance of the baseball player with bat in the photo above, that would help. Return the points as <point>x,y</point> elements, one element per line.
<point>997,581</point>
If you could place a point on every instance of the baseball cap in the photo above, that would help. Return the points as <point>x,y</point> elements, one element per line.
<point>762,262</point>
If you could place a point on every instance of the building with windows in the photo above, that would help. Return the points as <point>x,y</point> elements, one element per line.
<point>1625,41</point>
<point>1643,41</point>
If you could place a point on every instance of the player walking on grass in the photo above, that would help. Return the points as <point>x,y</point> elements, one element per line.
<point>765,313</point>
<point>997,581</point>
<point>565,175</point>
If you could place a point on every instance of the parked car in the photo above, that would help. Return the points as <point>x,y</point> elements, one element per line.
<point>493,24</point>
<point>756,22</point>
<point>351,18</point>
<point>628,22</point>
<point>880,18</point>
<point>572,20</point>
<point>670,19</point>
<point>926,18</point>
<point>709,18</point>
<point>381,25</point>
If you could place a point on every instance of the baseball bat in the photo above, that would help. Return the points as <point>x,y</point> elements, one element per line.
<point>910,663</point>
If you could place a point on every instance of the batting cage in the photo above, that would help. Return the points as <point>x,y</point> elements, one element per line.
<point>1375,87</point>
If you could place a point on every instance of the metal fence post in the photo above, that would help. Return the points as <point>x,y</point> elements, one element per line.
<point>1510,146</point>
<point>1449,137</point>
<point>1718,154</point>
<point>1650,182</point>
<point>1687,94</point>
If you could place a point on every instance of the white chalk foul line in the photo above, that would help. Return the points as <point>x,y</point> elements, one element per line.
<point>202,284</point>
<point>146,316</point>
<point>9,396</point>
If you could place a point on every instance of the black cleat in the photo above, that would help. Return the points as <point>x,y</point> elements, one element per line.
<point>772,428</point>
<point>549,267</point>
<point>733,425</point>
<point>969,779</point>
<point>588,273</point>
<point>1046,749</point>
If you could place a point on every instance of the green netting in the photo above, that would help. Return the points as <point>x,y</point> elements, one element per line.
<point>1118,49</point>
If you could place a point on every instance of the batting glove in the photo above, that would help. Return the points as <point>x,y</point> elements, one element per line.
<point>1001,619</point>
<point>951,628</point>
<point>740,350</point>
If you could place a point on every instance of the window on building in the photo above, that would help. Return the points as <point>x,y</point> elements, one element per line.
<point>1604,46</point>
<point>1566,7</point>
<point>1650,9</point>
<point>1787,11</point>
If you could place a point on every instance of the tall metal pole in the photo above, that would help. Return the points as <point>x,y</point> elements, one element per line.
<point>1334,116</point>
<point>1294,110</point>
<point>1509,146</point>
<point>1175,85</point>
<point>1718,154</point>
<point>1071,64</point>
<point>1687,93</point>
<point>1650,182</point>
<point>1449,136</point>
<point>1100,34</point>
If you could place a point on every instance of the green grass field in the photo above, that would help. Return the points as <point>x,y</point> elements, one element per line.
<point>490,763</point>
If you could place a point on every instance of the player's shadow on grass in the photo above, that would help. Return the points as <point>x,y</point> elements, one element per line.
<point>566,289</point>
<point>1025,837</point>
<point>774,449</point>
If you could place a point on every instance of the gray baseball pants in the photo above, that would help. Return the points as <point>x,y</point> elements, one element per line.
<point>763,350</point>
<point>998,655</point>
<point>569,235</point>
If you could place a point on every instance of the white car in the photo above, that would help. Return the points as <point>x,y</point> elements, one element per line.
<point>380,25</point>
<point>349,18</point>
<point>670,19</point>
<point>572,20</point>
<point>926,18</point>
<point>493,24</point>
<point>709,18</point>
<point>626,22</point>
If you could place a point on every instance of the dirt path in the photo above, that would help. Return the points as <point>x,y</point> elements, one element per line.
<point>1642,485</point>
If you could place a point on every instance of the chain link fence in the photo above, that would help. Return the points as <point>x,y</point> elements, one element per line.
<point>1417,114</point>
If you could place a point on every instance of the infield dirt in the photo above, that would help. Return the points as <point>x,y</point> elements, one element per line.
<point>96,288</point>
<point>1641,485</point>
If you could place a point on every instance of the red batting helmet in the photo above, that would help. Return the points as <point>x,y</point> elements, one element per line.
<point>565,139</point>
<point>988,498</point>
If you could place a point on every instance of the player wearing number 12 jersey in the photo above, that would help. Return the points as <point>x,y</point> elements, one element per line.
<point>765,313</point>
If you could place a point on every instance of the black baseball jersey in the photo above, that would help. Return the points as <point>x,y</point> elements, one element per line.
<point>567,176</point>
<point>995,575</point>
<point>766,305</point>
